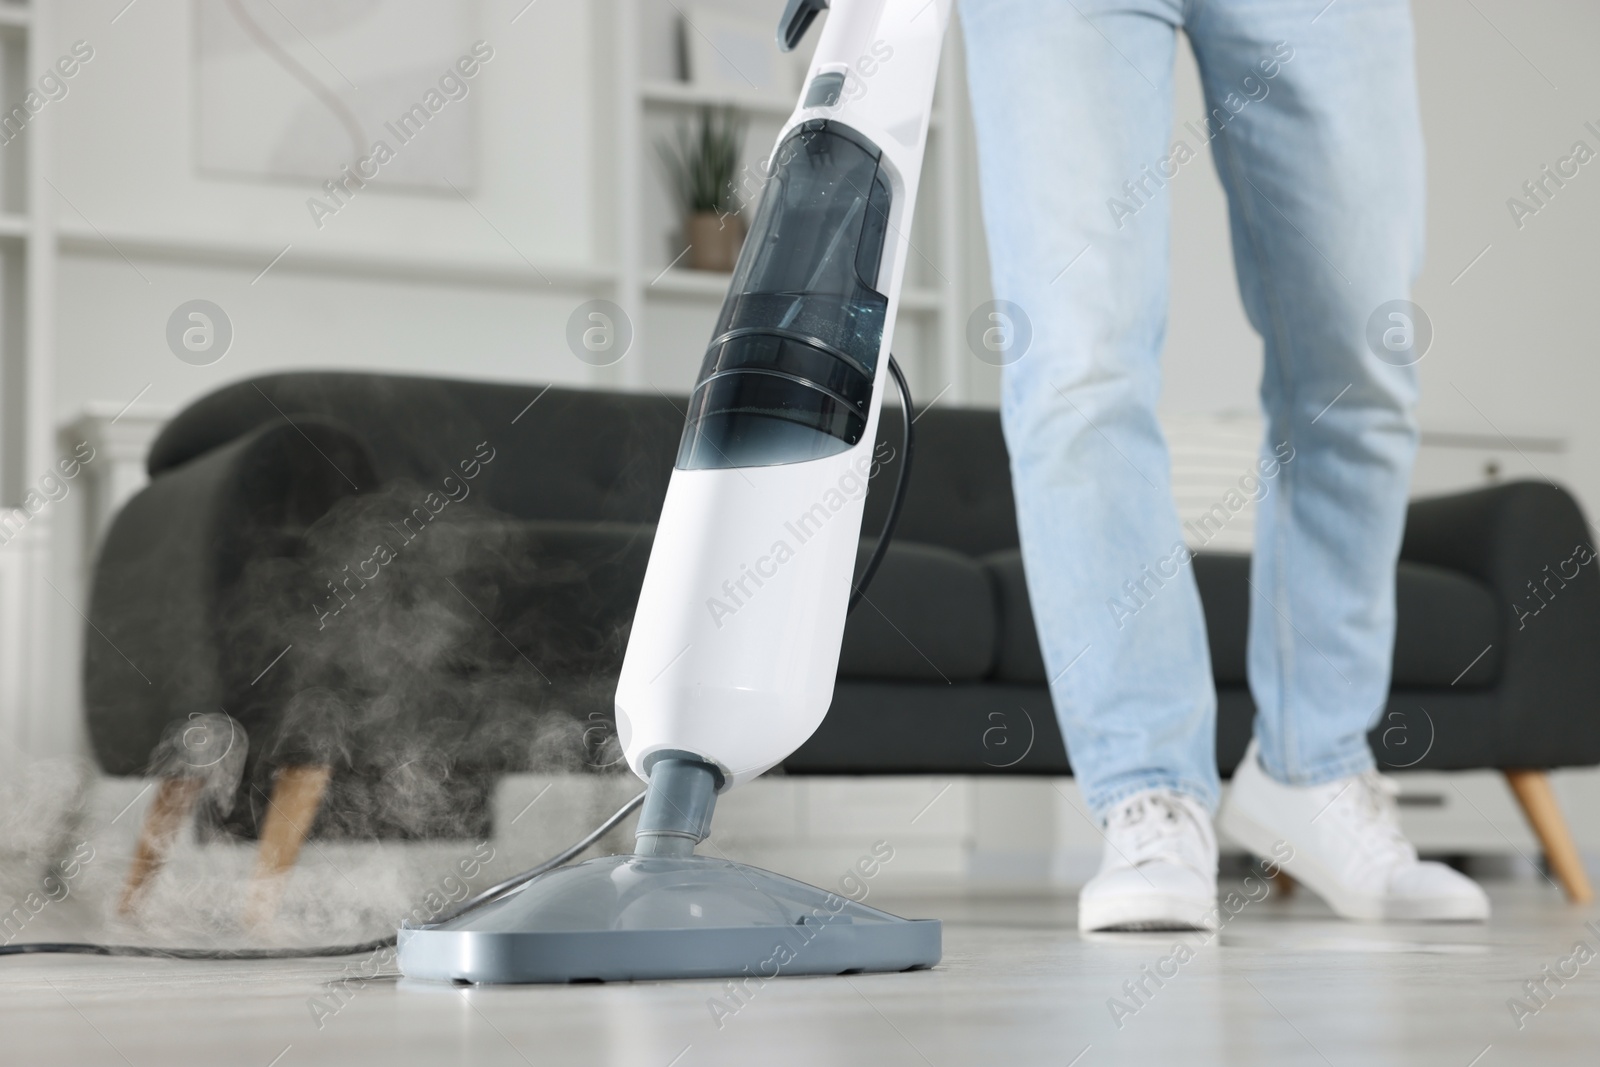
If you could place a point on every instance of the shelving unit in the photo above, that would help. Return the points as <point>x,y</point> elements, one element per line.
<point>28,448</point>
<point>682,94</point>
<point>931,328</point>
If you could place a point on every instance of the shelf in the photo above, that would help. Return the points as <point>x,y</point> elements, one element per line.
<point>683,94</point>
<point>713,285</point>
<point>13,225</point>
<point>15,17</point>
<point>500,271</point>
<point>680,281</point>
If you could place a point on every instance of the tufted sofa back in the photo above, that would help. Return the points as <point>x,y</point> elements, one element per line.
<point>584,455</point>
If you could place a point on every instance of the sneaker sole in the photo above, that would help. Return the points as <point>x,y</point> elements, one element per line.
<point>1261,841</point>
<point>1140,913</point>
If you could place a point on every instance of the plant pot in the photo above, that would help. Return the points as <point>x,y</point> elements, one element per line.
<point>714,240</point>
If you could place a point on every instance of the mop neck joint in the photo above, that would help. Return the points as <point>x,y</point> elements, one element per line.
<point>678,803</point>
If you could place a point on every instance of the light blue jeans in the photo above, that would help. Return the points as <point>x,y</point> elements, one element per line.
<point>1313,127</point>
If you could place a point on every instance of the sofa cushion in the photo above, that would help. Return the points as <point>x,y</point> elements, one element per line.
<point>1448,632</point>
<point>1446,622</point>
<point>1001,728</point>
<point>960,493</point>
<point>1018,658</point>
<point>1224,581</point>
<point>884,727</point>
<point>929,615</point>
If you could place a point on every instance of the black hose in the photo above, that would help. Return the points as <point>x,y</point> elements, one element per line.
<point>908,440</point>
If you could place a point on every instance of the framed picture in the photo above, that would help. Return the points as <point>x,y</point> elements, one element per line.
<point>299,89</point>
<point>735,52</point>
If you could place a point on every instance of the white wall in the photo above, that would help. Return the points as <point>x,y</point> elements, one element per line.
<point>1515,349</point>
<point>1513,352</point>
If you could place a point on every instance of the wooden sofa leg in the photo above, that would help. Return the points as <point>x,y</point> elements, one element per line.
<point>292,808</point>
<point>1539,804</point>
<point>174,800</point>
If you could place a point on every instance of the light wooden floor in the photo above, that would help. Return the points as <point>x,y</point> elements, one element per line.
<point>1283,984</point>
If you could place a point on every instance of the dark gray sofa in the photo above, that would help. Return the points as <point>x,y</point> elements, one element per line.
<point>488,641</point>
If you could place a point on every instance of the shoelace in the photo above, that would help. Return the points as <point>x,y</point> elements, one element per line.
<point>1370,811</point>
<point>1151,826</point>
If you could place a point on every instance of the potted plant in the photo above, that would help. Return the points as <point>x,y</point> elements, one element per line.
<point>701,164</point>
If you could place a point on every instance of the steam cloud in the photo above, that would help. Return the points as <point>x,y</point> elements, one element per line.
<point>484,646</point>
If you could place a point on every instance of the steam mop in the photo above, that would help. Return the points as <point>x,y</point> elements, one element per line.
<point>730,665</point>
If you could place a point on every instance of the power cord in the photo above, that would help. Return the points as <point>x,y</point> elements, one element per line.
<point>907,441</point>
<point>85,948</point>
<point>495,892</point>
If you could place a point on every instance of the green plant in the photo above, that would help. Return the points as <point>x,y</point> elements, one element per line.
<point>702,162</point>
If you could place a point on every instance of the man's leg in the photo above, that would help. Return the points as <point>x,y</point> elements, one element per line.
<point>1319,147</point>
<point>1312,111</point>
<point>1073,108</point>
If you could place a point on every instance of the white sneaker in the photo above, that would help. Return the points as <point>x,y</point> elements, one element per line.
<point>1159,868</point>
<point>1346,845</point>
